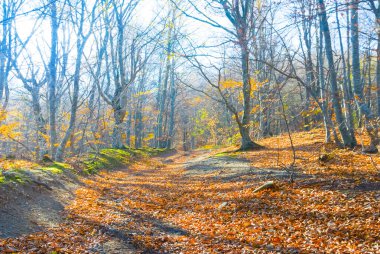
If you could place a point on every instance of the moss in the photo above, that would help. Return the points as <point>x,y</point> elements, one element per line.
<point>106,159</point>
<point>149,151</point>
<point>111,158</point>
<point>227,154</point>
<point>14,175</point>
<point>57,167</point>
<point>210,147</point>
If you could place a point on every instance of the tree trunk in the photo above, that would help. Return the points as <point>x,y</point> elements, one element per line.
<point>365,111</point>
<point>74,106</point>
<point>244,127</point>
<point>173,93</point>
<point>345,85</point>
<point>323,94</point>
<point>119,114</point>
<point>52,78</point>
<point>378,67</point>
<point>306,26</point>
<point>40,124</point>
<point>346,137</point>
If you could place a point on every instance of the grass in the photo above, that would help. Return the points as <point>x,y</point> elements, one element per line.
<point>231,154</point>
<point>57,167</point>
<point>92,163</point>
<point>106,159</point>
<point>115,158</point>
<point>13,176</point>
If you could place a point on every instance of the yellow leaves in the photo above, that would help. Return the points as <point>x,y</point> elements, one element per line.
<point>234,85</point>
<point>83,111</point>
<point>9,130</point>
<point>46,137</point>
<point>17,164</point>
<point>171,55</point>
<point>256,85</point>
<point>195,101</point>
<point>140,94</point>
<point>259,5</point>
<point>255,109</point>
<point>149,137</point>
<point>246,224</point>
<point>230,83</point>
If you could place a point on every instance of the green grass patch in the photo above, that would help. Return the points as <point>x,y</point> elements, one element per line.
<point>227,154</point>
<point>13,176</point>
<point>110,158</point>
<point>19,171</point>
<point>148,151</point>
<point>57,167</point>
<point>106,159</point>
<point>210,147</point>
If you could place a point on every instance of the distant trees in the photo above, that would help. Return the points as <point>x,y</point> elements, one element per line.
<point>9,9</point>
<point>243,19</point>
<point>166,84</point>
<point>364,110</point>
<point>125,59</point>
<point>77,76</point>
<point>348,140</point>
<point>82,36</point>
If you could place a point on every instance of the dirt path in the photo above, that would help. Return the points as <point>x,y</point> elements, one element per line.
<point>28,208</point>
<point>147,205</point>
<point>202,204</point>
<point>197,203</point>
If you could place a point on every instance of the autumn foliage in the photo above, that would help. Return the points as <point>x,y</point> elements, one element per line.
<point>332,207</point>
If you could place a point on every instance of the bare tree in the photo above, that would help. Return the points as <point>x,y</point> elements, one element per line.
<point>9,9</point>
<point>128,52</point>
<point>375,7</point>
<point>82,37</point>
<point>346,137</point>
<point>241,15</point>
<point>365,111</point>
<point>52,76</point>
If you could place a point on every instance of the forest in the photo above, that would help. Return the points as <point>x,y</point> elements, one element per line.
<point>189,126</point>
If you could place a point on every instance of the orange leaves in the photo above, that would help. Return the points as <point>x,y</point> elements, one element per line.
<point>230,83</point>
<point>165,209</point>
<point>61,240</point>
<point>17,164</point>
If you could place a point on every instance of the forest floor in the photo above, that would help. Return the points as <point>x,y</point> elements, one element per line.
<point>204,202</point>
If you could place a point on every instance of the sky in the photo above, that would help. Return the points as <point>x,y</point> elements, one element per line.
<point>199,33</point>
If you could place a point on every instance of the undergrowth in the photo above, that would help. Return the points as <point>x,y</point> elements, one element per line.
<point>19,171</point>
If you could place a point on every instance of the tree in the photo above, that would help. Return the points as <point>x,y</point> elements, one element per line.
<point>365,111</point>
<point>9,9</point>
<point>376,10</point>
<point>82,37</point>
<point>241,15</point>
<point>51,73</point>
<point>346,137</point>
<point>128,52</point>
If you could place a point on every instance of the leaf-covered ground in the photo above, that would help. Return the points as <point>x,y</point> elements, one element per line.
<point>166,205</point>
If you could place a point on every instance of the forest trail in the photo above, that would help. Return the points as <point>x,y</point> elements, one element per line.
<point>203,202</point>
<point>152,199</point>
<point>167,187</point>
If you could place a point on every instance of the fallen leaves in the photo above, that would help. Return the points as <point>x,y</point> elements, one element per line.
<point>160,208</point>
